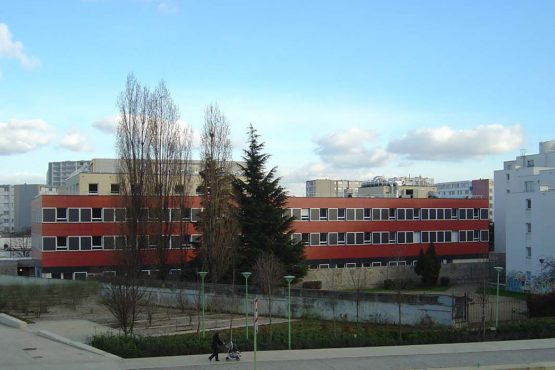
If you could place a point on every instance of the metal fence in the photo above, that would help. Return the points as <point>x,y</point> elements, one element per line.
<point>477,308</point>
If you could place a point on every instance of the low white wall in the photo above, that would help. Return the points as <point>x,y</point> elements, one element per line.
<point>372,307</point>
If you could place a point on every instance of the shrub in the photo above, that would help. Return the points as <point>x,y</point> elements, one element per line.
<point>312,284</point>
<point>388,284</point>
<point>444,281</point>
<point>313,334</point>
<point>540,305</point>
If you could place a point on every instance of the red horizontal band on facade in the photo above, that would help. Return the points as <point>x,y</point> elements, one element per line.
<point>102,201</point>
<point>108,258</point>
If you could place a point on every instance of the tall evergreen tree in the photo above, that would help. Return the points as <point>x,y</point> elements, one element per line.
<point>428,266</point>
<point>265,228</point>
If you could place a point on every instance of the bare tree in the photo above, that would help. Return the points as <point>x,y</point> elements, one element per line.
<point>218,221</point>
<point>123,299</point>
<point>154,151</point>
<point>133,144</point>
<point>332,279</point>
<point>166,170</point>
<point>268,272</point>
<point>153,158</point>
<point>359,280</point>
<point>20,244</point>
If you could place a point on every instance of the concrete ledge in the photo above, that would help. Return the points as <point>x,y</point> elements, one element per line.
<point>58,338</point>
<point>12,321</point>
<point>531,366</point>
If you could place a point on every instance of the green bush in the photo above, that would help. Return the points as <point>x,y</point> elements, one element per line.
<point>311,334</point>
<point>541,305</point>
<point>444,281</point>
<point>312,284</point>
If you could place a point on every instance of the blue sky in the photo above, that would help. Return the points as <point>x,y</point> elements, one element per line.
<point>336,89</point>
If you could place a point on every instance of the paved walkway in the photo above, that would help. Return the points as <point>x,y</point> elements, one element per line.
<point>27,348</point>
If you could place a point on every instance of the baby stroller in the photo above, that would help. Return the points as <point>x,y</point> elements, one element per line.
<point>232,352</point>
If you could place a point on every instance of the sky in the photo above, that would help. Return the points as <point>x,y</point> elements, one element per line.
<point>335,89</point>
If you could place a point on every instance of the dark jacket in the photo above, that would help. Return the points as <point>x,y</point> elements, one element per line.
<point>216,341</point>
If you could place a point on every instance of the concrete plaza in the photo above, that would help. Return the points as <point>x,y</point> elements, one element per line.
<point>28,347</point>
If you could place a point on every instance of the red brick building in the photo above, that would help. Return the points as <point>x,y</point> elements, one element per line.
<point>76,235</point>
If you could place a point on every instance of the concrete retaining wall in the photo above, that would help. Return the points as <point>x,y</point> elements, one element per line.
<point>372,307</point>
<point>370,277</point>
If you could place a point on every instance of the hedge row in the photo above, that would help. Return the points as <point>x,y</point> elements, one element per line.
<point>318,334</point>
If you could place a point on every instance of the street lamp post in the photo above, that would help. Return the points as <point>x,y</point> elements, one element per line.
<point>289,279</point>
<point>542,279</point>
<point>246,275</point>
<point>498,269</point>
<point>202,276</point>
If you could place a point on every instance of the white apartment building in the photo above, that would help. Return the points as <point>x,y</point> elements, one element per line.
<point>454,189</point>
<point>482,188</point>
<point>58,172</point>
<point>7,208</point>
<point>525,212</point>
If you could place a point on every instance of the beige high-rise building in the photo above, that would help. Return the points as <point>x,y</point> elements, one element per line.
<point>332,188</point>
<point>101,177</point>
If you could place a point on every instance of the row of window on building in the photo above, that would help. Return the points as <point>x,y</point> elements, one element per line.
<point>300,214</point>
<point>383,214</point>
<point>391,237</point>
<point>110,242</point>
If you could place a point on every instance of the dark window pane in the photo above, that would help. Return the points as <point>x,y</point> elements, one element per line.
<point>109,242</point>
<point>48,215</point>
<point>73,243</point>
<point>73,214</point>
<point>120,214</point>
<point>48,243</point>
<point>85,215</point>
<point>108,215</point>
<point>440,237</point>
<point>85,243</point>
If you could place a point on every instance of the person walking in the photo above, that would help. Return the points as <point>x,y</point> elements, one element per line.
<point>216,342</point>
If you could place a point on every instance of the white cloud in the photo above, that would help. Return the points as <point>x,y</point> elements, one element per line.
<point>76,142</point>
<point>348,149</point>
<point>14,178</point>
<point>10,49</point>
<point>446,144</point>
<point>167,6</point>
<point>22,136</point>
<point>107,124</point>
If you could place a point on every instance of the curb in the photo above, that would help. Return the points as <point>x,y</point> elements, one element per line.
<point>58,338</point>
<point>12,321</point>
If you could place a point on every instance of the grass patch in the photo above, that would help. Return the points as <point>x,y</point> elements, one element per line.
<point>507,293</point>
